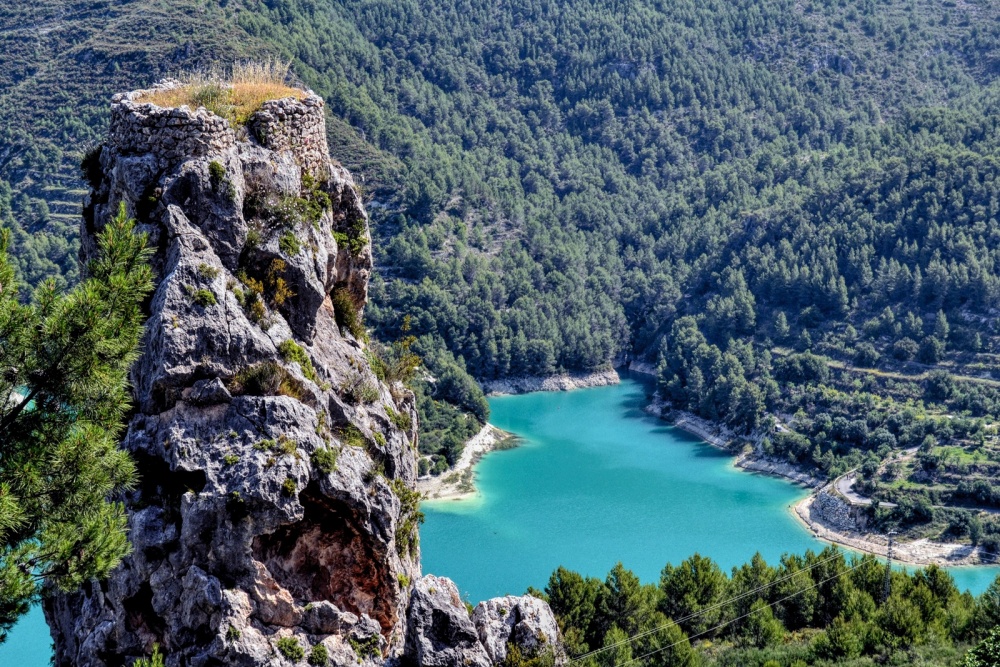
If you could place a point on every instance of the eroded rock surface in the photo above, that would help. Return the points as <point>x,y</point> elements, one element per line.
<point>275,503</point>
<point>522,620</point>
<point>440,632</point>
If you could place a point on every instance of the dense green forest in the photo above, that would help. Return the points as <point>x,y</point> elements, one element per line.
<point>791,207</point>
<point>814,609</point>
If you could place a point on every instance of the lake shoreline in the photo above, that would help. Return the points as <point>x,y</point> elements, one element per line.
<point>810,514</point>
<point>921,552</point>
<point>458,483</point>
<point>527,384</point>
<point>721,438</point>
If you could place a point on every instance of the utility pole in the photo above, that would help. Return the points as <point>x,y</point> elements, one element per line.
<point>887,581</point>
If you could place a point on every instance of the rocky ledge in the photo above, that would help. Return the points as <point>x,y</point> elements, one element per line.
<point>755,461</point>
<point>565,382</point>
<point>276,518</point>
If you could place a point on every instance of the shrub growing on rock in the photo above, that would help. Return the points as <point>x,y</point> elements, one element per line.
<point>291,648</point>
<point>319,656</point>
<point>266,379</point>
<point>346,314</point>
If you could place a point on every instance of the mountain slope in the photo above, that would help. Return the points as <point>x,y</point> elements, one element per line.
<point>562,185</point>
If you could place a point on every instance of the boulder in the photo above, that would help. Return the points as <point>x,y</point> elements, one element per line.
<point>439,632</point>
<point>524,621</point>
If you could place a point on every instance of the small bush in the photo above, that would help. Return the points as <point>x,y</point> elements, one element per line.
<point>367,648</point>
<point>232,634</point>
<point>402,420</point>
<point>288,487</point>
<point>410,518</point>
<point>352,437</point>
<point>315,192</point>
<point>285,212</point>
<point>267,379</point>
<point>90,166</point>
<point>252,298</point>
<point>283,444</point>
<point>289,244</point>
<point>325,459</point>
<point>257,312</point>
<point>291,648</point>
<point>356,389</point>
<point>292,351</point>
<point>368,393</point>
<point>253,241</point>
<point>155,660</point>
<point>217,175</point>
<point>231,459</point>
<point>286,445</point>
<point>346,314</point>
<point>354,238</point>
<point>319,656</point>
<point>207,272</point>
<point>280,291</point>
<point>404,581</point>
<point>203,297</point>
<point>541,658</point>
<point>265,445</point>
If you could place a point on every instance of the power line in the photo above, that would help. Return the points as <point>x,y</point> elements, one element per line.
<point>733,620</point>
<point>705,610</point>
<point>993,561</point>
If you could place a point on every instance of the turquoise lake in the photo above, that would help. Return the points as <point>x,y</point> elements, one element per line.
<point>598,481</point>
<point>595,481</point>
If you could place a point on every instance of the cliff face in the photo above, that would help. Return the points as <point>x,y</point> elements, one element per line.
<point>277,468</point>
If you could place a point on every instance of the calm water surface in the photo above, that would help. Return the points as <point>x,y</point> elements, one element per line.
<point>596,481</point>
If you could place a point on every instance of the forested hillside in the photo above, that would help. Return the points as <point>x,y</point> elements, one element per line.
<point>791,205</point>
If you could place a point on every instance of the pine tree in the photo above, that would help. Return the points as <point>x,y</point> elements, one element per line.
<point>64,362</point>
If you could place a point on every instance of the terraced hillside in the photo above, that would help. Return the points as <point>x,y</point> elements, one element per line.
<point>60,61</point>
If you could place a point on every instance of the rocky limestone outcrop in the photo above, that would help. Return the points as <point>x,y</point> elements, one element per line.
<point>442,634</point>
<point>276,505</point>
<point>525,621</point>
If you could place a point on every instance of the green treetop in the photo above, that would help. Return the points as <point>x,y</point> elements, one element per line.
<point>64,362</point>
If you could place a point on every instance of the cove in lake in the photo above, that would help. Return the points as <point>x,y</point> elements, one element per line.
<point>597,481</point>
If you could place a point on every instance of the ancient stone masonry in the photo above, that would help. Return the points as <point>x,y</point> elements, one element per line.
<point>298,127</point>
<point>275,508</point>
<point>169,134</point>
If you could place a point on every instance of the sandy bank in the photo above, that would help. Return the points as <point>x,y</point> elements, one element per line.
<point>828,515</point>
<point>459,482</point>
<point>530,383</point>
